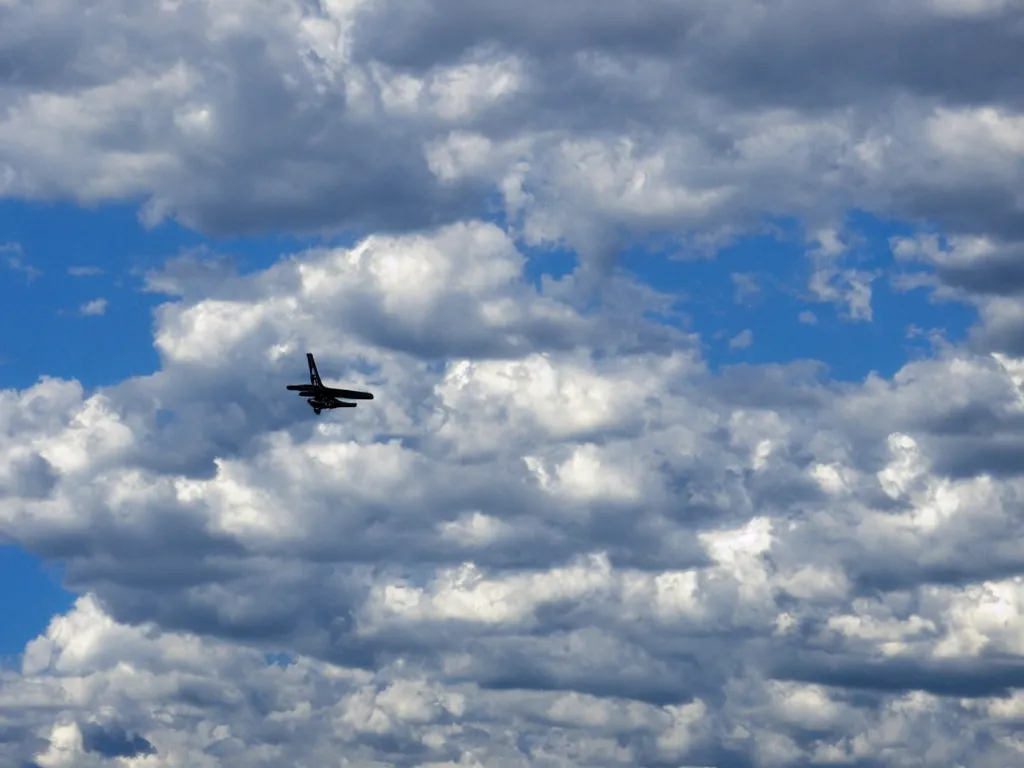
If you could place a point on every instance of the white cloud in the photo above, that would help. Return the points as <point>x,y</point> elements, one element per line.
<point>831,282</point>
<point>742,340</point>
<point>94,308</point>
<point>849,287</point>
<point>555,536</point>
<point>359,114</point>
<point>573,543</point>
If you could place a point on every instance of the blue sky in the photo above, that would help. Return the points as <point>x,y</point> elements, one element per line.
<point>111,250</point>
<point>32,595</point>
<point>114,249</point>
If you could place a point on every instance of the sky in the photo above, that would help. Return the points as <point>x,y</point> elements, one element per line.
<point>696,336</point>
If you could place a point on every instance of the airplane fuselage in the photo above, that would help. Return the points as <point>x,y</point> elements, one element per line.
<point>320,397</point>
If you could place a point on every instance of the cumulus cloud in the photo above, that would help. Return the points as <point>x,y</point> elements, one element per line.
<point>587,121</point>
<point>983,271</point>
<point>570,529</point>
<point>556,537</point>
<point>976,265</point>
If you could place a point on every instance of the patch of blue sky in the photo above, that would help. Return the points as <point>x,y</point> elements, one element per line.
<point>553,262</point>
<point>31,595</point>
<point>63,261</point>
<point>752,303</point>
<point>109,249</point>
<point>279,658</point>
<point>760,284</point>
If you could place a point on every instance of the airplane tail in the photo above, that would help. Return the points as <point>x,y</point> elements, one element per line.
<point>314,374</point>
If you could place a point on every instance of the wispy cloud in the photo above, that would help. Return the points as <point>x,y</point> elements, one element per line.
<point>742,340</point>
<point>94,308</point>
<point>84,271</point>
<point>193,270</point>
<point>744,286</point>
<point>830,282</point>
<point>13,258</point>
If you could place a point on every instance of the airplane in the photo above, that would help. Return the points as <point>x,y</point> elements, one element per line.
<point>319,397</point>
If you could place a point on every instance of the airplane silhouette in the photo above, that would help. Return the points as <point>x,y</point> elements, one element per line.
<point>319,397</point>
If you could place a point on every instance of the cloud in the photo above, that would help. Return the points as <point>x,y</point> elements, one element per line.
<point>744,286</point>
<point>742,340</point>
<point>555,536</point>
<point>568,529</point>
<point>190,274</point>
<point>588,124</point>
<point>831,282</point>
<point>849,287</point>
<point>808,318</point>
<point>86,271</point>
<point>13,258</point>
<point>982,271</point>
<point>94,308</point>
<point>970,265</point>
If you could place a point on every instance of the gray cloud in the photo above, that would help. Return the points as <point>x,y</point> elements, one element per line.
<point>590,123</point>
<point>190,275</point>
<point>603,546</point>
<point>982,271</point>
<point>555,537</point>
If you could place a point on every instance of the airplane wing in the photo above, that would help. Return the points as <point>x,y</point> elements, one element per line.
<point>350,394</point>
<point>307,389</point>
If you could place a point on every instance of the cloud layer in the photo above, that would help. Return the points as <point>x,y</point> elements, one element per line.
<point>570,529</point>
<point>587,119</point>
<point>556,537</point>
